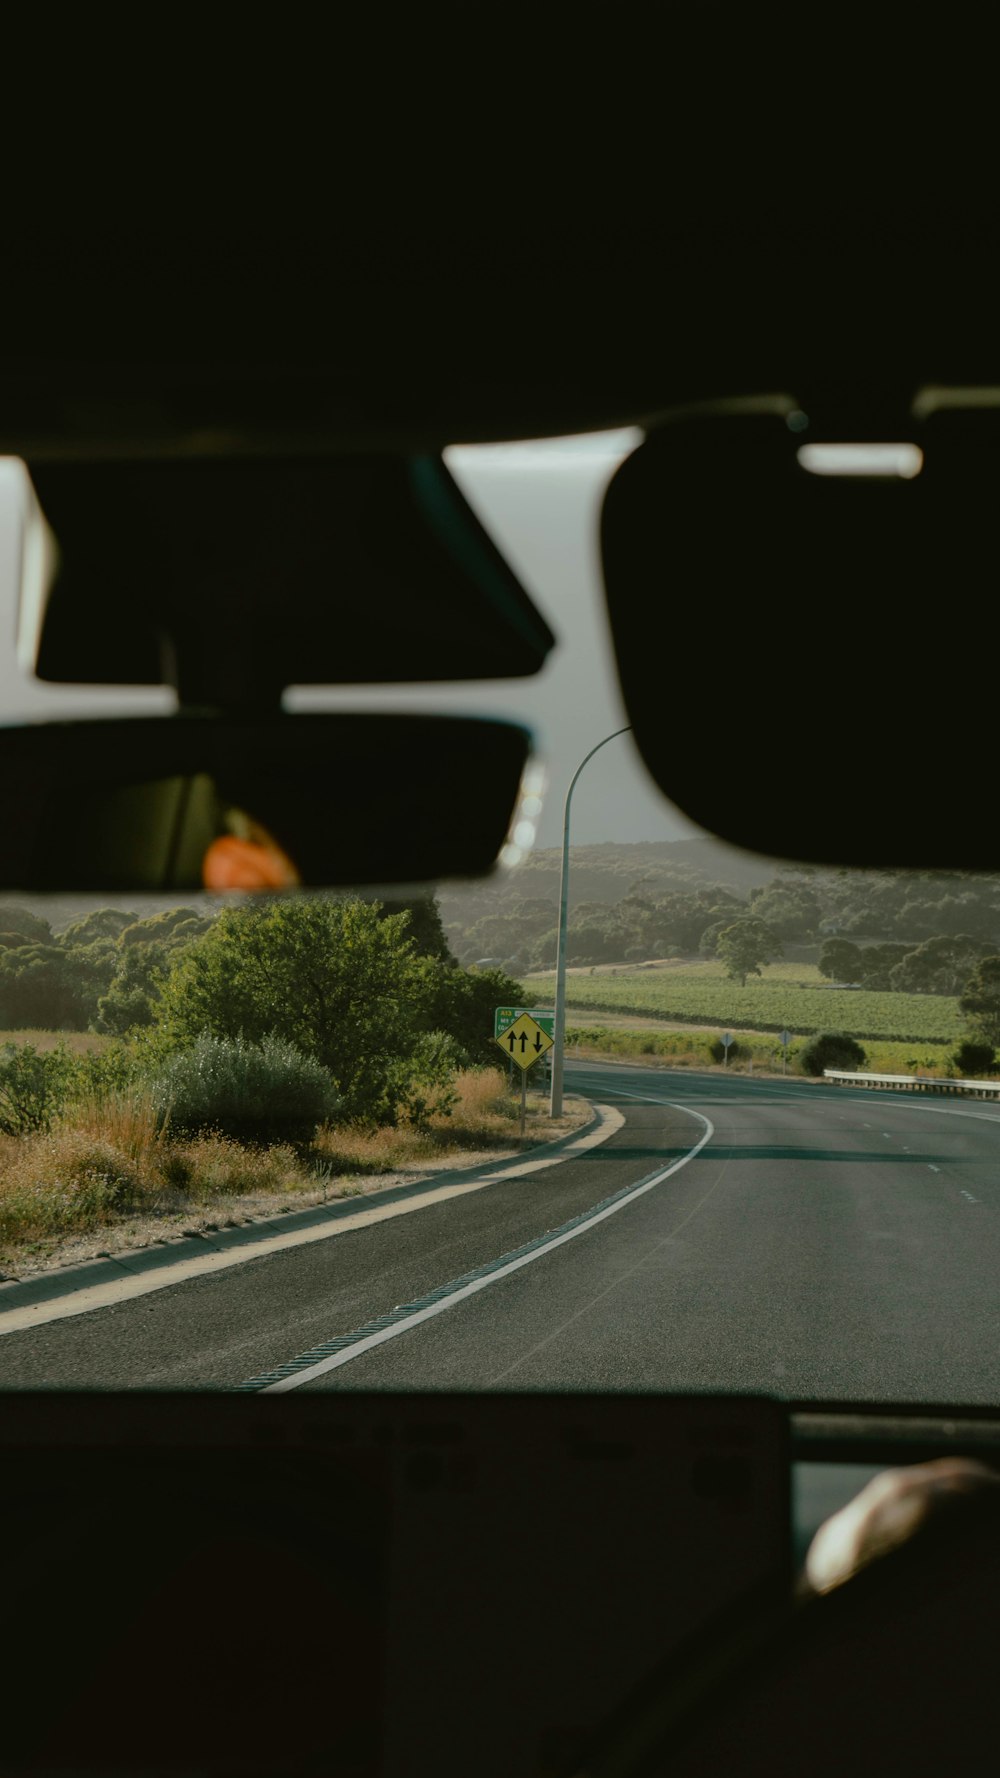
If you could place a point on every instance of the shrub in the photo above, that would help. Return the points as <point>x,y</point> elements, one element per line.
<point>33,1087</point>
<point>738,1052</point>
<point>426,1088</point>
<point>831,1049</point>
<point>972,1057</point>
<point>259,1093</point>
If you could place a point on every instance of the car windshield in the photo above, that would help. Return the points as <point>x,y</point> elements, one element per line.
<point>340,1141</point>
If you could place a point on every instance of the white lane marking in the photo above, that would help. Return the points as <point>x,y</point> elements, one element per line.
<point>970,1197</point>
<point>887,1135</point>
<point>120,1289</point>
<point>933,1168</point>
<point>983,1117</point>
<point>897,1103</point>
<point>427,1313</point>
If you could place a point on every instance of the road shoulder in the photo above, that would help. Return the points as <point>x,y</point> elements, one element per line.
<point>98,1283</point>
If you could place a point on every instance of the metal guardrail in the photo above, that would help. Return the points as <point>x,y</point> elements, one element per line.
<point>917,1083</point>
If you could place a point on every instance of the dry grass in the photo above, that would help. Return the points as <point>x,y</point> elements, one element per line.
<point>79,1043</point>
<point>106,1178</point>
<point>107,1159</point>
<point>483,1118</point>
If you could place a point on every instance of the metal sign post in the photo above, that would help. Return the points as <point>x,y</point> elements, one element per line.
<point>727,1038</point>
<point>786,1038</point>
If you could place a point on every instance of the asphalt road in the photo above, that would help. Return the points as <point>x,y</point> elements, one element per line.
<point>822,1244</point>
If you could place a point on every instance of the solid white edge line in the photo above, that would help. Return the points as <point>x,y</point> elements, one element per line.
<point>348,1353</point>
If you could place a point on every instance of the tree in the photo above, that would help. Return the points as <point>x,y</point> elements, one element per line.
<point>19,926</point>
<point>331,976</point>
<point>745,945</point>
<point>840,960</point>
<point>592,943</point>
<point>173,927</point>
<point>134,991</point>
<point>980,1000</point>
<point>708,943</point>
<point>104,925</point>
<point>939,966</point>
<point>544,952</point>
<point>46,988</point>
<point>425,928</point>
<point>791,908</point>
<point>461,1003</point>
<point>878,963</point>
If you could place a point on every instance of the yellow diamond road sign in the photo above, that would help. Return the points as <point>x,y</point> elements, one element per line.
<point>524,1041</point>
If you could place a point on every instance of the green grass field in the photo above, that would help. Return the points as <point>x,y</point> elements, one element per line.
<point>786,995</point>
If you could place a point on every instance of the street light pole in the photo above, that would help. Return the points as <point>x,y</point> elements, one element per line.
<point>559,1033</point>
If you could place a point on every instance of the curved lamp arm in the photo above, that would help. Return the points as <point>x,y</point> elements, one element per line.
<point>559,1032</point>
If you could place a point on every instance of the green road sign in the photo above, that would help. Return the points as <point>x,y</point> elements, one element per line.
<point>505,1016</point>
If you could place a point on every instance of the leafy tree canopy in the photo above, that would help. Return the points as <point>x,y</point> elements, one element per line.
<point>104,924</point>
<point>981,999</point>
<point>45,987</point>
<point>18,926</point>
<point>840,960</point>
<point>134,991</point>
<point>425,929</point>
<point>174,927</point>
<point>791,907</point>
<point>745,946</point>
<point>462,1003</point>
<point>939,966</point>
<point>334,977</point>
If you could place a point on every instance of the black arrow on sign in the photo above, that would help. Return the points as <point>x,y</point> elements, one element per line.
<point>524,1042</point>
<point>538,1040</point>
<point>511,1042</point>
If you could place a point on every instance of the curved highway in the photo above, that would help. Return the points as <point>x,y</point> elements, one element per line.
<point>811,1242</point>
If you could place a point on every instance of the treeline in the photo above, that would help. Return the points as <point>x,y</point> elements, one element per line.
<point>99,973</point>
<point>886,915</point>
<point>111,973</point>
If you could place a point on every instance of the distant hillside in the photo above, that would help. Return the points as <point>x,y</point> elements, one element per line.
<point>606,873</point>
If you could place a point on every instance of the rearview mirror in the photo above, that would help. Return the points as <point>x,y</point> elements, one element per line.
<point>322,800</point>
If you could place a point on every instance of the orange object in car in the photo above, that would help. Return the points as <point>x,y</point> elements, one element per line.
<point>232,863</point>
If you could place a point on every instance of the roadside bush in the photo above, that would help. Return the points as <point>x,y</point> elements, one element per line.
<point>258,1093</point>
<point>831,1049</point>
<point>738,1052</point>
<point>428,1086</point>
<point>972,1057</point>
<point>330,976</point>
<point>33,1087</point>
